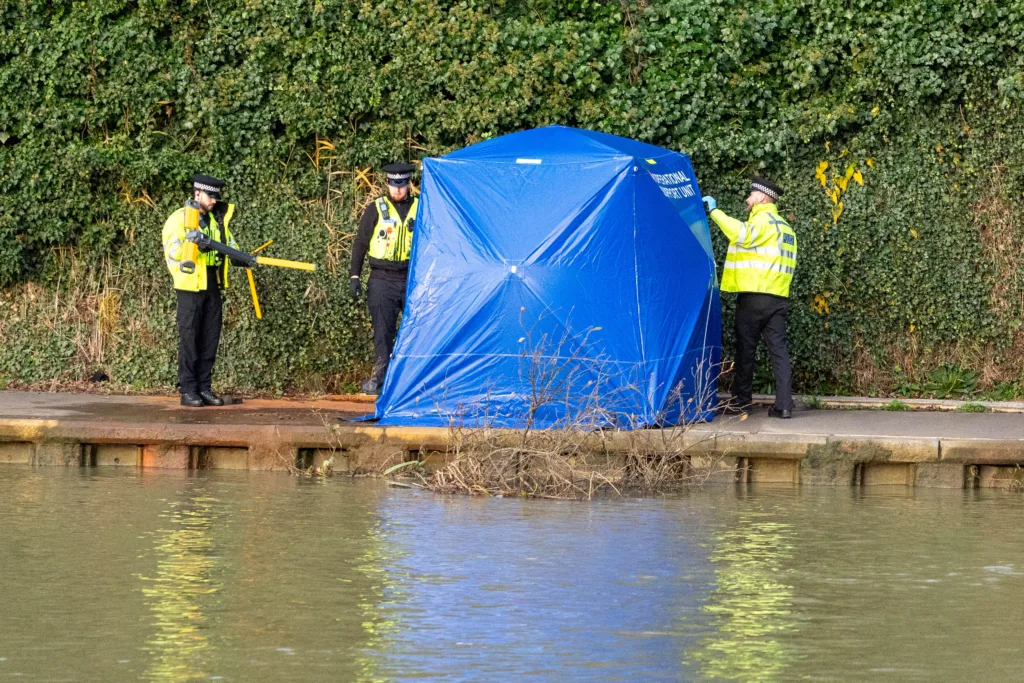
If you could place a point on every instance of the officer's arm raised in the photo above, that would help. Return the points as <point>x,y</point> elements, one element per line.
<point>735,230</point>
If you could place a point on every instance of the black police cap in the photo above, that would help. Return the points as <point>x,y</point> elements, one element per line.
<point>760,184</point>
<point>399,174</point>
<point>208,184</point>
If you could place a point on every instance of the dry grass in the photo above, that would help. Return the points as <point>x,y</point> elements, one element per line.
<point>348,194</point>
<point>1001,230</point>
<point>868,378</point>
<point>915,362</point>
<point>993,365</point>
<point>570,464</point>
<point>495,462</point>
<point>85,308</point>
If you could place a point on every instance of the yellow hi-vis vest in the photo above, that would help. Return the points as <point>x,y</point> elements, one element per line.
<point>762,252</point>
<point>174,242</point>
<point>392,237</point>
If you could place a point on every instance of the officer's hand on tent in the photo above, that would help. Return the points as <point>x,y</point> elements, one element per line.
<point>202,240</point>
<point>355,287</point>
<point>710,201</point>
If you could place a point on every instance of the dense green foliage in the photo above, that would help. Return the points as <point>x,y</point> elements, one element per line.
<point>909,238</point>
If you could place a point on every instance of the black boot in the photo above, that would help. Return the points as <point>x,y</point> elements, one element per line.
<point>782,414</point>
<point>370,387</point>
<point>211,399</point>
<point>191,399</point>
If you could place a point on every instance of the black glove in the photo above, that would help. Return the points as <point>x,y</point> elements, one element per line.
<point>239,263</point>
<point>355,287</point>
<point>201,239</point>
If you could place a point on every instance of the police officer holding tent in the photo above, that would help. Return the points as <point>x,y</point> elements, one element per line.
<point>199,275</point>
<point>759,267</point>
<point>385,235</point>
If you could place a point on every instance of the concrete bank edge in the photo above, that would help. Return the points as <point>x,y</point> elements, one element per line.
<point>767,457</point>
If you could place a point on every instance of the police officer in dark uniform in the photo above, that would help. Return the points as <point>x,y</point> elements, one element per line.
<point>198,286</point>
<point>385,235</point>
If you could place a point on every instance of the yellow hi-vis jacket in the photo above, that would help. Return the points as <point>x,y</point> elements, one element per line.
<point>762,251</point>
<point>392,237</point>
<point>174,242</point>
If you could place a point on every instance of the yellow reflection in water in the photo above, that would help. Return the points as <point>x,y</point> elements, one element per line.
<point>183,579</point>
<point>377,604</point>
<point>751,604</point>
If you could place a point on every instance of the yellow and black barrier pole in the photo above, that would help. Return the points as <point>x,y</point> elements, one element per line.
<point>252,281</point>
<point>255,299</point>
<point>251,260</point>
<point>285,263</point>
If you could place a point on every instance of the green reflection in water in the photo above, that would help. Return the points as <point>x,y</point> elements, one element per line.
<point>751,605</point>
<point>379,621</point>
<point>183,581</point>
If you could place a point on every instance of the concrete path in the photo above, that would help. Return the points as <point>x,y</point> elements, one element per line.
<point>32,405</point>
<point>880,423</point>
<point>17,405</point>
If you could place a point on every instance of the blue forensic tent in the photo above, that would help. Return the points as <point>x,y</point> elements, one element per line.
<point>557,275</point>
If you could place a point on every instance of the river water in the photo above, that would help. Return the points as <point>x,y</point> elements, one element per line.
<point>171,576</point>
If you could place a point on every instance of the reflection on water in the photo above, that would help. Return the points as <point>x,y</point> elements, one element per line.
<point>585,591</point>
<point>121,576</point>
<point>751,604</point>
<point>380,624</point>
<point>182,587</point>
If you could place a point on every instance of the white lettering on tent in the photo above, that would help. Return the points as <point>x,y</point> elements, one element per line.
<point>527,161</point>
<point>675,185</point>
<point>678,192</point>
<point>674,178</point>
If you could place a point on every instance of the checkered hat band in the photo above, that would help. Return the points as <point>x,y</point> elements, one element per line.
<point>762,188</point>
<point>205,188</point>
<point>399,176</point>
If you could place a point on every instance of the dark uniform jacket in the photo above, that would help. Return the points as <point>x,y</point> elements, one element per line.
<point>379,268</point>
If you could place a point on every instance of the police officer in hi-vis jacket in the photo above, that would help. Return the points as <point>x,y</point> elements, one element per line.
<point>198,285</point>
<point>759,267</point>
<point>385,235</point>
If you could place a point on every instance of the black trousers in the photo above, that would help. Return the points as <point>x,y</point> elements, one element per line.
<point>386,298</point>
<point>200,315</point>
<point>762,316</point>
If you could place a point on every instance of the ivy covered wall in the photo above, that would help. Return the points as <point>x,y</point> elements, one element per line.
<point>895,127</point>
